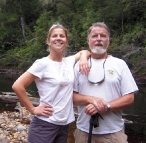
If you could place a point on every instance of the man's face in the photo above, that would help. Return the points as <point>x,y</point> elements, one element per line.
<point>98,40</point>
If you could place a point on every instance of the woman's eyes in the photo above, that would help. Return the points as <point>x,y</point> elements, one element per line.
<point>62,36</point>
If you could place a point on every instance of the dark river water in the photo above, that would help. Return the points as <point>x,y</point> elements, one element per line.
<point>136,113</point>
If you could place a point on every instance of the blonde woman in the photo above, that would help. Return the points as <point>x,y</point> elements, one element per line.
<point>54,77</point>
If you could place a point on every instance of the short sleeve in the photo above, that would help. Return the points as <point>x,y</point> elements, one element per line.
<point>76,80</point>
<point>37,68</point>
<point>128,83</point>
<point>71,60</point>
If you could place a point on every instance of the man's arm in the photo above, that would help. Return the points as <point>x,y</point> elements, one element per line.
<point>97,105</point>
<point>82,100</point>
<point>122,102</point>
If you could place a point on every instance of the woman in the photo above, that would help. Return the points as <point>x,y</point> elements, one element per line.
<point>54,79</point>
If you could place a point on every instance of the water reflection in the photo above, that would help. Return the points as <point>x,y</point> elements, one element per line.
<point>7,80</point>
<point>137,112</point>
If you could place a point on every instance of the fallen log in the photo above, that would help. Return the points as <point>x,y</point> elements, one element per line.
<point>9,100</point>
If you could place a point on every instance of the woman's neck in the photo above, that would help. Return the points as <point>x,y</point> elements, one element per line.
<point>55,57</point>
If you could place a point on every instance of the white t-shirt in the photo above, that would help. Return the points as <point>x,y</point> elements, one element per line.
<point>55,87</point>
<point>118,82</point>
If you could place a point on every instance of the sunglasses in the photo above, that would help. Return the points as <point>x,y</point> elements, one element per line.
<point>97,73</point>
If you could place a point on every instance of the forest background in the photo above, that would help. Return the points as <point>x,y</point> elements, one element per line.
<point>24,25</point>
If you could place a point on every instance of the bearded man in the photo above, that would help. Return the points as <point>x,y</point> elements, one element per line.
<point>106,90</point>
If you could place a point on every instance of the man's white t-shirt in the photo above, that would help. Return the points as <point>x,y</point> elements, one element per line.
<point>118,82</point>
<point>55,87</point>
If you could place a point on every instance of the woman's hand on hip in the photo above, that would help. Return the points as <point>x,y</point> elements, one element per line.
<point>43,110</point>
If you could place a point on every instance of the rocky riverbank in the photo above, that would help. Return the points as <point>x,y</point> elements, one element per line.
<point>14,118</point>
<point>14,126</point>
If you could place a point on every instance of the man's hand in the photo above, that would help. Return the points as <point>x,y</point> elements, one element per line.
<point>99,103</point>
<point>91,110</point>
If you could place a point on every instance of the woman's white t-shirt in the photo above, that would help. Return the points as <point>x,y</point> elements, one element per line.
<point>55,87</point>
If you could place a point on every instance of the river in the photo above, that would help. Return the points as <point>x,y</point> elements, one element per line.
<point>136,113</point>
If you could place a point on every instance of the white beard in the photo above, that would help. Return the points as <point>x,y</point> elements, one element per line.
<point>98,50</point>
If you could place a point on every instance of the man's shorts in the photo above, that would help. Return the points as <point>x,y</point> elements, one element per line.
<point>44,132</point>
<point>118,137</point>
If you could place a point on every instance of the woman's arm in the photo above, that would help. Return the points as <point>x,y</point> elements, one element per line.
<point>19,88</point>
<point>83,57</point>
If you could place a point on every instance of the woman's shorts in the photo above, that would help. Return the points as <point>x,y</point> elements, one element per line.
<point>44,132</point>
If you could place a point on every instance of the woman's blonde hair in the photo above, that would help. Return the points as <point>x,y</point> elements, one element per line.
<point>54,26</point>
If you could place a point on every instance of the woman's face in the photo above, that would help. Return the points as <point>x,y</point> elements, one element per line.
<point>57,40</point>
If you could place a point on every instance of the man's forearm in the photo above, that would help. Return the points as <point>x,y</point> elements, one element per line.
<point>80,100</point>
<point>122,102</point>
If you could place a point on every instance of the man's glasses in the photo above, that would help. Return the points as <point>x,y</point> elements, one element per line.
<point>97,73</point>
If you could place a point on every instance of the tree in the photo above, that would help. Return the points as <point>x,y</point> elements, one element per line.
<point>17,21</point>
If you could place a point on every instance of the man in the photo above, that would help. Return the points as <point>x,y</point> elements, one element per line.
<point>107,89</point>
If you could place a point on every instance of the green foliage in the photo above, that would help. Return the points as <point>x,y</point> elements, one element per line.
<point>135,35</point>
<point>9,59</point>
<point>28,54</point>
<point>24,26</point>
<point>17,17</point>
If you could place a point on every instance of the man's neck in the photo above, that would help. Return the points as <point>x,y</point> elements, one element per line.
<point>99,56</point>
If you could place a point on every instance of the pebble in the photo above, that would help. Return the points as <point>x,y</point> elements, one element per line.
<point>13,127</point>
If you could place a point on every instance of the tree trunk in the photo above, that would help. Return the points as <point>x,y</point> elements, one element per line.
<point>21,19</point>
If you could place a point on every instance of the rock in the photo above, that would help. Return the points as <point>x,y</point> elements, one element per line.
<point>12,130</point>
<point>127,121</point>
<point>3,139</point>
<point>20,128</point>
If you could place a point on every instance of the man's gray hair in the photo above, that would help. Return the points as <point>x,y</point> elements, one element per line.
<point>98,24</point>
